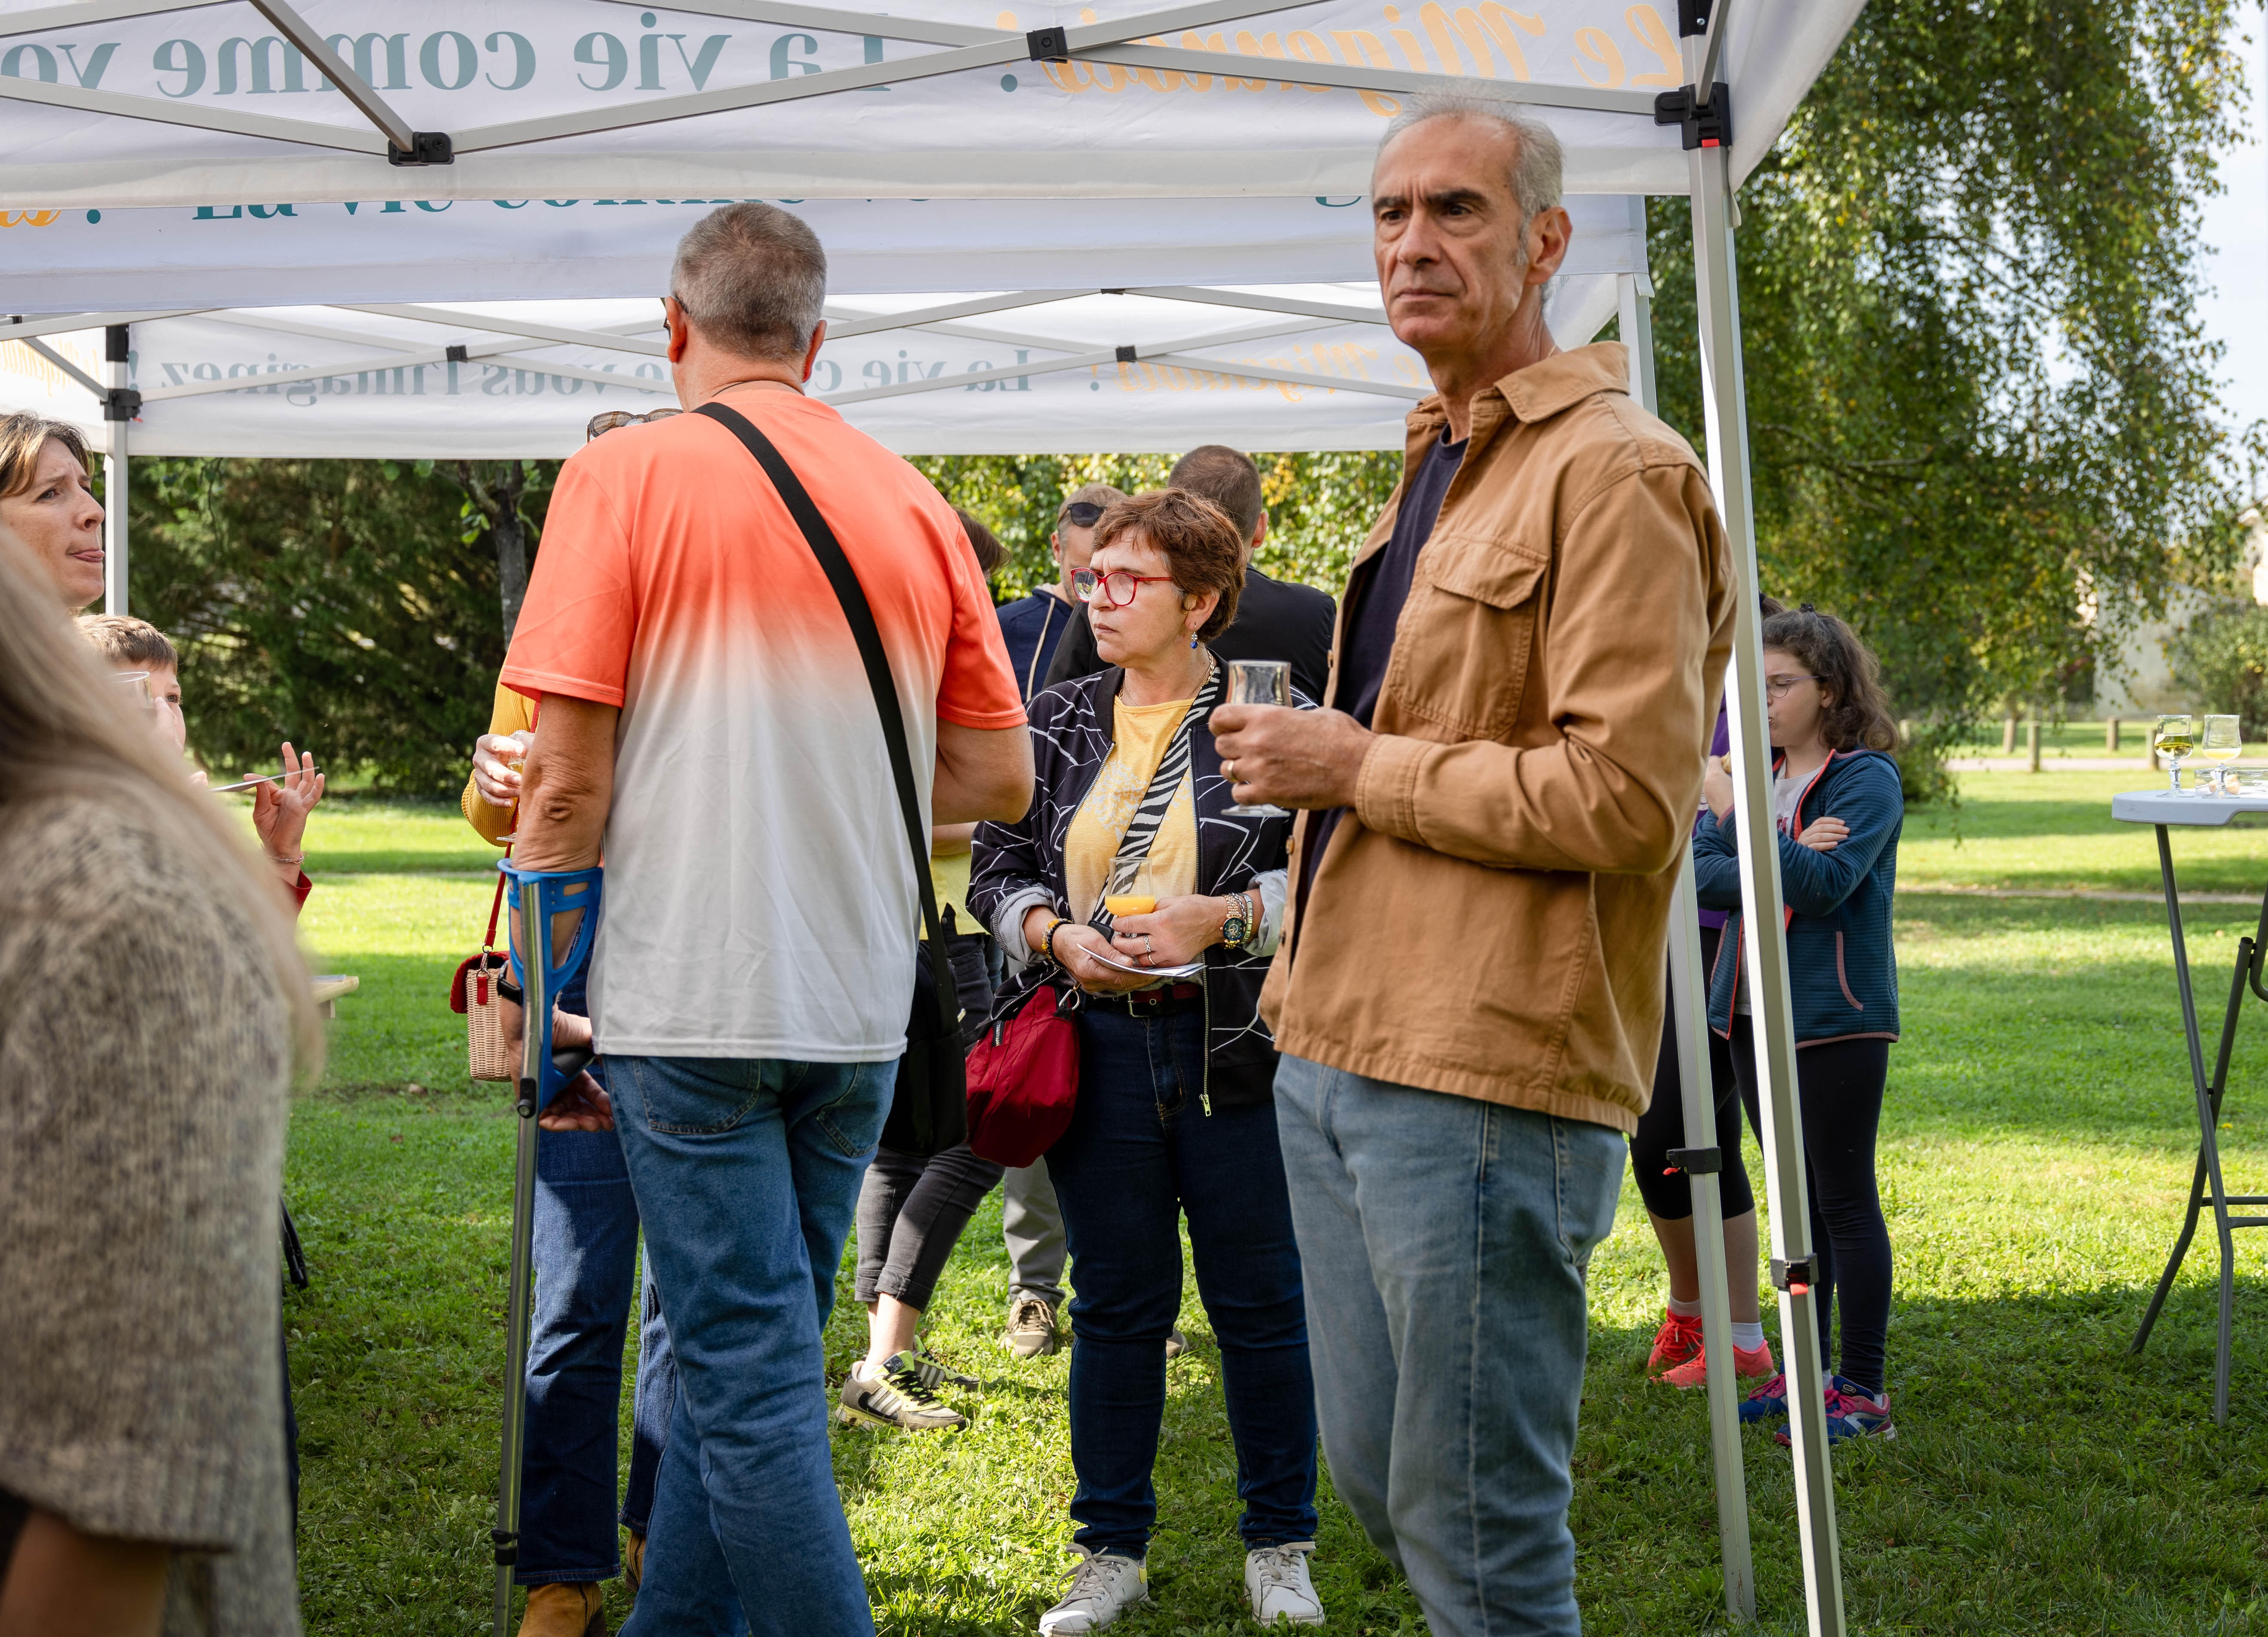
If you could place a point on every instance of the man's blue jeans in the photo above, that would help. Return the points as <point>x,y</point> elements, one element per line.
<point>747,1174</point>
<point>1445,1242</point>
<point>1139,1154</point>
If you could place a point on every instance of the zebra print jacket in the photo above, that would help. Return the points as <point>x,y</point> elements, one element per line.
<point>1017,866</point>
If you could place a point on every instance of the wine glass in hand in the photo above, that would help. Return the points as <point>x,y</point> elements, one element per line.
<point>1259,682</point>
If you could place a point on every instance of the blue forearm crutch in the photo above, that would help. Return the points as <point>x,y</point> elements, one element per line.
<point>537,895</point>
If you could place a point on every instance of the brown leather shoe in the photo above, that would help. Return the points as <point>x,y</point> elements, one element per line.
<point>562,1608</point>
<point>633,1560</point>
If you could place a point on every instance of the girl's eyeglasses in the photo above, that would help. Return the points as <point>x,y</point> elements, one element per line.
<point>1114,590</point>
<point>613,418</point>
<point>1778,686</point>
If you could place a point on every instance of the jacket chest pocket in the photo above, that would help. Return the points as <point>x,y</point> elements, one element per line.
<point>1462,650</point>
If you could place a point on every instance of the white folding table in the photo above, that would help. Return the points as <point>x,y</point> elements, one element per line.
<point>2165,808</point>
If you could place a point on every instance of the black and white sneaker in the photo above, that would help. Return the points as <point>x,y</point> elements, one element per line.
<point>894,1397</point>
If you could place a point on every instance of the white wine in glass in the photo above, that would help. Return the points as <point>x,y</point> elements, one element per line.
<point>2221,742</point>
<point>2172,739</point>
<point>1259,682</point>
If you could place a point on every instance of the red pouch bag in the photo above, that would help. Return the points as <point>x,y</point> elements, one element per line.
<point>1023,1079</point>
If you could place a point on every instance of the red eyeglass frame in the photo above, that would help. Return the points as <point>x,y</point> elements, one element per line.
<point>1087,583</point>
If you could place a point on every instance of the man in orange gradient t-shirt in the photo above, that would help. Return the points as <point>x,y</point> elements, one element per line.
<point>707,721</point>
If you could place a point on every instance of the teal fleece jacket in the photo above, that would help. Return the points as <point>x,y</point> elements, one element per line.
<point>1843,971</point>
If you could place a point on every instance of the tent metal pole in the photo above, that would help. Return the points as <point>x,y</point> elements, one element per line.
<point>115,476</point>
<point>1689,1010</point>
<point>1764,951</point>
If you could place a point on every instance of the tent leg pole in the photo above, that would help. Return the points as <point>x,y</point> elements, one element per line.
<point>518,1301</point>
<point>1763,953</point>
<point>1689,1013</point>
<point>1687,997</point>
<point>116,477</point>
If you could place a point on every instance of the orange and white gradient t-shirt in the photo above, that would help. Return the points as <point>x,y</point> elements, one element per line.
<point>761,899</point>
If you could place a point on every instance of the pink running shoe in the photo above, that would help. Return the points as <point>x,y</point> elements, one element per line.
<point>1749,1364</point>
<point>1677,1340</point>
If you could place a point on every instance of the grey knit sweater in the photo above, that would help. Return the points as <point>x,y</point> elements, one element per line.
<point>145,1066</point>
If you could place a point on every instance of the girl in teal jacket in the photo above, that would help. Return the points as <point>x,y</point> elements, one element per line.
<point>1837,798</point>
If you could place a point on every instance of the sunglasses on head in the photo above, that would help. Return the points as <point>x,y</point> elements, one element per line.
<point>612,418</point>
<point>1081,514</point>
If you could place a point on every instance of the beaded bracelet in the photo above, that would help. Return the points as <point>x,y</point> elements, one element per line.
<point>1049,943</point>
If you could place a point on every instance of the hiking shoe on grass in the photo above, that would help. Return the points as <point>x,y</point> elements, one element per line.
<point>1747,1365</point>
<point>1031,1329</point>
<point>894,1398</point>
<point>1678,1341</point>
<point>932,1372</point>
<point>1100,1589</point>
<point>1277,1587</point>
<point>1767,1401</point>
<point>1853,1412</point>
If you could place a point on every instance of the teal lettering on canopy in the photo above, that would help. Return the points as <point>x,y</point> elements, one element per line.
<point>43,63</point>
<point>91,77</point>
<point>205,213</point>
<point>364,50</point>
<point>427,204</point>
<point>699,65</point>
<point>428,61</point>
<point>782,62</point>
<point>616,60</point>
<point>184,57</point>
<point>258,55</point>
<point>523,61</point>
<point>265,211</point>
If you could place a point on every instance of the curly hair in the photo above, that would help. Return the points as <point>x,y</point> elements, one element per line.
<point>1857,710</point>
<point>1200,544</point>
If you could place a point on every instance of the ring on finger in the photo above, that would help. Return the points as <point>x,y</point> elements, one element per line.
<point>1228,771</point>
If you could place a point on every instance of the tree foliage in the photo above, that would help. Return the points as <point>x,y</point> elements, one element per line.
<point>1977,386</point>
<point>1320,506</point>
<point>351,607</point>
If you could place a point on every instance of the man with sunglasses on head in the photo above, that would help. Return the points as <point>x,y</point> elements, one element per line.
<point>1275,618</point>
<point>1033,625</point>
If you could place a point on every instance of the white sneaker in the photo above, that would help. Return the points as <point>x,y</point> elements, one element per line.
<point>1277,1585</point>
<point>1101,1588</point>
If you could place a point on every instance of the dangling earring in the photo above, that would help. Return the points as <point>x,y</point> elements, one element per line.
<point>1193,639</point>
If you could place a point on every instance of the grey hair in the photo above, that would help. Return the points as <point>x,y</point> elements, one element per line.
<point>752,279</point>
<point>1536,158</point>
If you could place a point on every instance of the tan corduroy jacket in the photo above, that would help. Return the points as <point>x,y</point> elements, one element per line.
<point>1489,920</point>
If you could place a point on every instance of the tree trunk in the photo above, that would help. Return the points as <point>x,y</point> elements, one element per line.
<point>496,493</point>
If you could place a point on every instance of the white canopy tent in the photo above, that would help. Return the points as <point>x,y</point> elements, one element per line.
<point>1183,158</point>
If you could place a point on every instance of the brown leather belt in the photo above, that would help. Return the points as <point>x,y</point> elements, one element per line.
<point>1177,997</point>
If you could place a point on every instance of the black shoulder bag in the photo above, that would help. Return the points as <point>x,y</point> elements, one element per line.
<point>930,1112</point>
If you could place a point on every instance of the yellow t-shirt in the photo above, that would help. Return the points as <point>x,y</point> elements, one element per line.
<point>1139,736</point>
<point>949,876</point>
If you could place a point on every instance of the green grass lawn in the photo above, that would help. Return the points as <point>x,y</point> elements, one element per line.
<point>2037,1150</point>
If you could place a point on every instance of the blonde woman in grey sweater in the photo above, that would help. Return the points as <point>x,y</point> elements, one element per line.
<point>153,1008</point>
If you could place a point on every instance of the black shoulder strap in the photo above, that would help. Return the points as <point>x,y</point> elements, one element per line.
<point>852,596</point>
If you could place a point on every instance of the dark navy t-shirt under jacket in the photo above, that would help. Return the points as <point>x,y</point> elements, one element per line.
<point>1374,599</point>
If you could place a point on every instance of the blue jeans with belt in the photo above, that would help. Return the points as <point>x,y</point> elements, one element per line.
<point>1139,1154</point>
<point>746,1173</point>
<point>586,1257</point>
<point>1446,1242</point>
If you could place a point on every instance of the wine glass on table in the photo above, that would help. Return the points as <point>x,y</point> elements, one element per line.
<point>2220,741</point>
<point>2172,740</point>
<point>1260,682</point>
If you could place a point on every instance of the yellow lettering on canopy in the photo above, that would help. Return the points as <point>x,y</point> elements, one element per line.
<point>1309,48</point>
<point>1374,48</point>
<point>1647,24</point>
<point>1412,53</point>
<point>1105,75</point>
<point>1592,45</point>
<point>1500,24</point>
<point>1436,22</point>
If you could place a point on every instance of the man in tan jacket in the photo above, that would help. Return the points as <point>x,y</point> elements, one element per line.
<point>1468,997</point>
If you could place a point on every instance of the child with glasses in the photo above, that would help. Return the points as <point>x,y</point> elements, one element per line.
<point>1836,796</point>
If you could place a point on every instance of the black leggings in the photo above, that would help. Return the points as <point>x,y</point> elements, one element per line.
<point>1662,1127</point>
<point>910,1214</point>
<point>1839,1087</point>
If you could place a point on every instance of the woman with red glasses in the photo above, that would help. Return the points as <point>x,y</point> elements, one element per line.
<point>1134,881</point>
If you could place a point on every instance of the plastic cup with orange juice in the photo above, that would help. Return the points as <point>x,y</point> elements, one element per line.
<point>1129,904</point>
